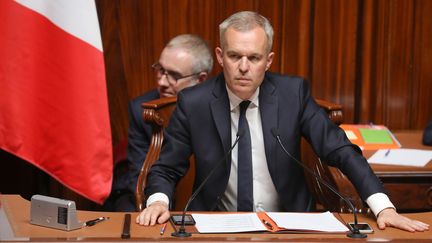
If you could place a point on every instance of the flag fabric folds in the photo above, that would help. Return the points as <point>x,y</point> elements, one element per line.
<point>53,96</point>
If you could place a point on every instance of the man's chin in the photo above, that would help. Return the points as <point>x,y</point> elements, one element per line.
<point>244,86</point>
<point>243,91</point>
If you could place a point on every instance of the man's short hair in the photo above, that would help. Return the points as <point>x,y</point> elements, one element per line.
<point>197,47</point>
<point>245,21</point>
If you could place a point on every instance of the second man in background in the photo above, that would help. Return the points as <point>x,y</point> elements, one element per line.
<point>184,62</point>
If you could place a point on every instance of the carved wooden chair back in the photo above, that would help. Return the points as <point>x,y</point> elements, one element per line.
<point>157,113</point>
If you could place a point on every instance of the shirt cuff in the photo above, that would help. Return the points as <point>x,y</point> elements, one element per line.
<point>378,202</point>
<point>158,196</point>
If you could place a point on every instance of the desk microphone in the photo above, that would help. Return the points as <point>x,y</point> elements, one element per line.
<point>354,232</point>
<point>182,231</point>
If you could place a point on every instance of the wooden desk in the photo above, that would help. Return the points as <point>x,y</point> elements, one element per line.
<point>409,187</point>
<point>15,226</point>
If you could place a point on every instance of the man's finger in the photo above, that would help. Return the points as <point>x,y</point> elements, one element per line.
<point>164,217</point>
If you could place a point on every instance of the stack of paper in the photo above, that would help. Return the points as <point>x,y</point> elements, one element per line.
<point>408,157</point>
<point>273,222</point>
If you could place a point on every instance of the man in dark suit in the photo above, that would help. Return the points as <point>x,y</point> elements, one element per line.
<point>249,99</point>
<point>185,61</point>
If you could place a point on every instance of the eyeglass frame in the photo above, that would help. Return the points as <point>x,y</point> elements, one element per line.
<point>170,74</point>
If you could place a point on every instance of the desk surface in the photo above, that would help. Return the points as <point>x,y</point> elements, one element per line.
<point>408,139</point>
<point>15,226</point>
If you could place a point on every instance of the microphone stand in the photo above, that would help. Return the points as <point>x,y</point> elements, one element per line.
<point>354,232</point>
<point>182,230</point>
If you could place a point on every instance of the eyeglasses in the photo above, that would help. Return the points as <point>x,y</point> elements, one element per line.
<point>171,75</point>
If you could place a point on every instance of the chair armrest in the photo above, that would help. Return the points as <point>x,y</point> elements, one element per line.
<point>157,114</point>
<point>333,110</point>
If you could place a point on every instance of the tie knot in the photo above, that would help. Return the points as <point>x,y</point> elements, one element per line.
<point>243,106</point>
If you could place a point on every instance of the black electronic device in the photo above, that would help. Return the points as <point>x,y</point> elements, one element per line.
<point>177,219</point>
<point>364,228</point>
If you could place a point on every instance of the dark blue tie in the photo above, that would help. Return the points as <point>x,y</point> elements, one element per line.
<point>244,187</point>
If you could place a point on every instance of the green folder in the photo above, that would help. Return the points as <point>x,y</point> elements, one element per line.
<point>377,136</point>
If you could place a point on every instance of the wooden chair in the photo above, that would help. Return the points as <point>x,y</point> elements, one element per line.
<point>158,112</point>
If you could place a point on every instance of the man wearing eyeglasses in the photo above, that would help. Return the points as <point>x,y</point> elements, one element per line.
<point>184,62</point>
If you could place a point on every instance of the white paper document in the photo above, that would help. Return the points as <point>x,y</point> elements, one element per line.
<point>250,222</point>
<point>228,223</point>
<point>325,222</point>
<point>407,157</point>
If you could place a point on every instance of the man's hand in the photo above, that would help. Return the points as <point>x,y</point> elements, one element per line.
<point>389,217</point>
<point>155,212</point>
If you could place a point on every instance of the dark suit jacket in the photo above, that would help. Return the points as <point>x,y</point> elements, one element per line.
<point>201,125</point>
<point>122,196</point>
<point>427,134</point>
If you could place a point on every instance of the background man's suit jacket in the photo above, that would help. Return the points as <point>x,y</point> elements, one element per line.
<point>122,197</point>
<point>201,125</point>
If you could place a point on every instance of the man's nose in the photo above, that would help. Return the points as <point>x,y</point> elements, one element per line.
<point>163,80</point>
<point>244,65</point>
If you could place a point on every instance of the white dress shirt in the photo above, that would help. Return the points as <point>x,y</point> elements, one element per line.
<point>264,192</point>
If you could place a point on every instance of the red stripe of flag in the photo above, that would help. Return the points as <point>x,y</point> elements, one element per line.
<point>53,102</point>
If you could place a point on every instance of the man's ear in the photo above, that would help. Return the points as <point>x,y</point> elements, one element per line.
<point>202,76</point>
<point>269,60</point>
<point>219,55</point>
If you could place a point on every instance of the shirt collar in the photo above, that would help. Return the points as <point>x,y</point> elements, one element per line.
<point>235,100</point>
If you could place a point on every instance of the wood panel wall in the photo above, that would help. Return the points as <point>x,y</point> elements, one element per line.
<point>373,57</point>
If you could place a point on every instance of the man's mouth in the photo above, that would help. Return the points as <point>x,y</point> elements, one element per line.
<point>164,93</point>
<point>243,80</point>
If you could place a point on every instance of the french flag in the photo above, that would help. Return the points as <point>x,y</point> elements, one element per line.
<point>53,96</point>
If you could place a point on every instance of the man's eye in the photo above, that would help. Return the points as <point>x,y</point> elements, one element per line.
<point>234,57</point>
<point>253,58</point>
<point>174,75</point>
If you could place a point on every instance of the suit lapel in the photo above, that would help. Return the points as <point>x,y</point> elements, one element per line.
<point>220,109</point>
<point>269,119</point>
